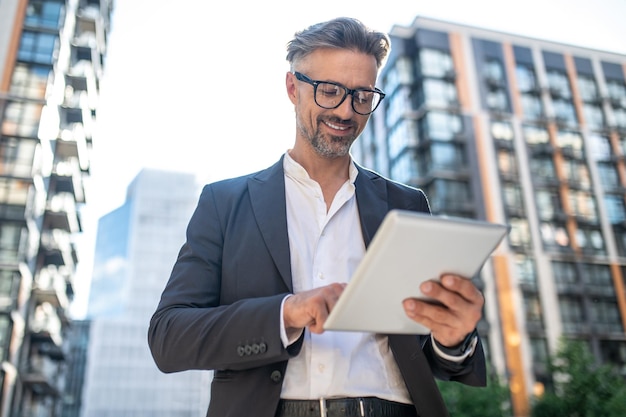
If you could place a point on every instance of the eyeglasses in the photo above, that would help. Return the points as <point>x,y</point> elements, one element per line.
<point>329,95</point>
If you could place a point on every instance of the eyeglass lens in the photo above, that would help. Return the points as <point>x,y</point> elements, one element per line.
<point>329,95</point>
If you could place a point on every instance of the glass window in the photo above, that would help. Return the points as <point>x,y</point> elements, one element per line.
<point>554,236</point>
<point>608,175</point>
<point>558,83</point>
<point>405,169</point>
<point>604,316</point>
<point>616,90</point>
<point>447,196</point>
<point>519,235</point>
<point>576,173</point>
<point>29,81</point>
<point>525,268</point>
<point>502,131</point>
<point>17,156</point>
<point>497,100</point>
<point>44,13</point>
<point>397,106</point>
<point>494,71</point>
<point>539,350</point>
<point>572,314</point>
<point>441,125</point>
<point>439,93</point>
<point>620,117</point>
<point>447,155</point>
<point>14,191</point>
<point>5,335</point>
<point>513,198</point>
<point>532,307</point>
<point>600,147</point>
<point>532,107</point>
<point>403,135</point>
<point>548,204</point>
<point>536,135</point>
<point>587,88</point>
<point>590,240</point>
<point>37,47</point>
<point>564,112</point>
<point>10,241</point>
<point>542,168</point>
<point>400,73</point>
<point>526,78</point>
<point>435,63</point>
<point>572,141</point>
<point>597,274</point>
<point>565,274</point>
<point>507,164</point>
<point>594,117</point>
<point>21,119</point>
<point>583,205</point>
<point>615,209</point>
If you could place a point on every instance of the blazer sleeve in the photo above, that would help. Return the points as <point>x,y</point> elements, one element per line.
<point>203,321</point>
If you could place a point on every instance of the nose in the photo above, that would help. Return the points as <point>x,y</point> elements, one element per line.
<point>345,110</point>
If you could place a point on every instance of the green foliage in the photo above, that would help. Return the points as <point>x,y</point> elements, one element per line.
<point>581,387</point>
<point>465,401</point>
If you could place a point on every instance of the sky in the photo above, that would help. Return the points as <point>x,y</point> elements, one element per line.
<point>198,86</point>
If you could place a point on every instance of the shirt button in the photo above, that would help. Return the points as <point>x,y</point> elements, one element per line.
<point>321,367</point>
<point>320,276</point>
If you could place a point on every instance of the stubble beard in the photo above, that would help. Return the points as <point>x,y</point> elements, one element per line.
<point>327,146</point>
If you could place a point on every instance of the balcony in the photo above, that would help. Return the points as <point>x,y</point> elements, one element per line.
<point>67,178</point>
<point>40,375</point>
<point>61,213</point>
<point>57,249</point>
<point>51,287</point>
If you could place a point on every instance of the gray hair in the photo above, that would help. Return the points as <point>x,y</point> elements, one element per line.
<point>339,33</point>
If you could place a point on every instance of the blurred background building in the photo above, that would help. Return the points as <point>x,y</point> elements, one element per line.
<point>136,247</point>
<point>491,125</point>
<point>51,61</point>
<point>530,133</point>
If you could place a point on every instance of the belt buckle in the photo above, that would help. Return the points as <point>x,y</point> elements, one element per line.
<point>324,410</point>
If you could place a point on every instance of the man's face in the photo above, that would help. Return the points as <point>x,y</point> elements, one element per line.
<point>330,132</point>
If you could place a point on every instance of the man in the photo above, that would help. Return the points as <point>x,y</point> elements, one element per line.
<point>268,255</point>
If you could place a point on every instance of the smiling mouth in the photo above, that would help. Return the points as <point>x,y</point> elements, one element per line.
<point>335,126</point>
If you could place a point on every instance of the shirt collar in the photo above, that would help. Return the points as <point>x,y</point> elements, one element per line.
<point>297,171</point>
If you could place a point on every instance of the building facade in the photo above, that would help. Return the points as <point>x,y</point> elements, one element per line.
<point>136,246</point>
<point>51,60</point>
<point>530,133</point>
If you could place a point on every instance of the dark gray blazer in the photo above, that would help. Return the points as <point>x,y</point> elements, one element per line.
<point>221,306</point>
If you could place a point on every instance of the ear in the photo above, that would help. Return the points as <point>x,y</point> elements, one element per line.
<point>290,84</point>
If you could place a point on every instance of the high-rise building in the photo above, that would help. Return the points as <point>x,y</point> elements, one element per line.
<point>51,61</point>
<point>136,246</point>
<point>531,133</point>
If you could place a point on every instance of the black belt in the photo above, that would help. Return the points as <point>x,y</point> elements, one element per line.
<point>344,407</point>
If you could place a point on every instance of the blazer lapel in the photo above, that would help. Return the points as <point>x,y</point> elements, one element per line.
<point>267,195</point>
<point>371,197</point>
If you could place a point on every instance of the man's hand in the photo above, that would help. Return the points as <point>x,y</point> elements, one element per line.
<point>459,312</point>
<point>311,308</point>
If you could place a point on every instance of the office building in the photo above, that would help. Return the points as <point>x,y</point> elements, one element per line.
<point>51,61</point>
<point>531,133</point>
<point>136,247</point>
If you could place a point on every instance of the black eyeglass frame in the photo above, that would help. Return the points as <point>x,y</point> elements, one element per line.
<point>347,91</point>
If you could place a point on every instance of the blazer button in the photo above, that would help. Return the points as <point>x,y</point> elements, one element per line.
<point>255,348</point>
<point>276,376</point>
<point>241,351</point>
<point>262,347</point>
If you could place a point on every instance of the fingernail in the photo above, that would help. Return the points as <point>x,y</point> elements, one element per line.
<point>448,280</point>
<point>427,287</point>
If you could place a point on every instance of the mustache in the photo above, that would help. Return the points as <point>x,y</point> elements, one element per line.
<point>337,120</point>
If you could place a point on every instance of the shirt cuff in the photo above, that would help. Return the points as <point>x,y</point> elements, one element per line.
<point>457,355</point>
<point>290,339</point>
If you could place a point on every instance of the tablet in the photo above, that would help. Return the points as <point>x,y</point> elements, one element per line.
<point>407,249</point>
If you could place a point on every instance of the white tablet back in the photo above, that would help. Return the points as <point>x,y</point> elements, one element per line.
<point>408,249</point>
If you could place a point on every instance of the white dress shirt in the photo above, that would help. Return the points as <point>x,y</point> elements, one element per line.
<point>326,247</point>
